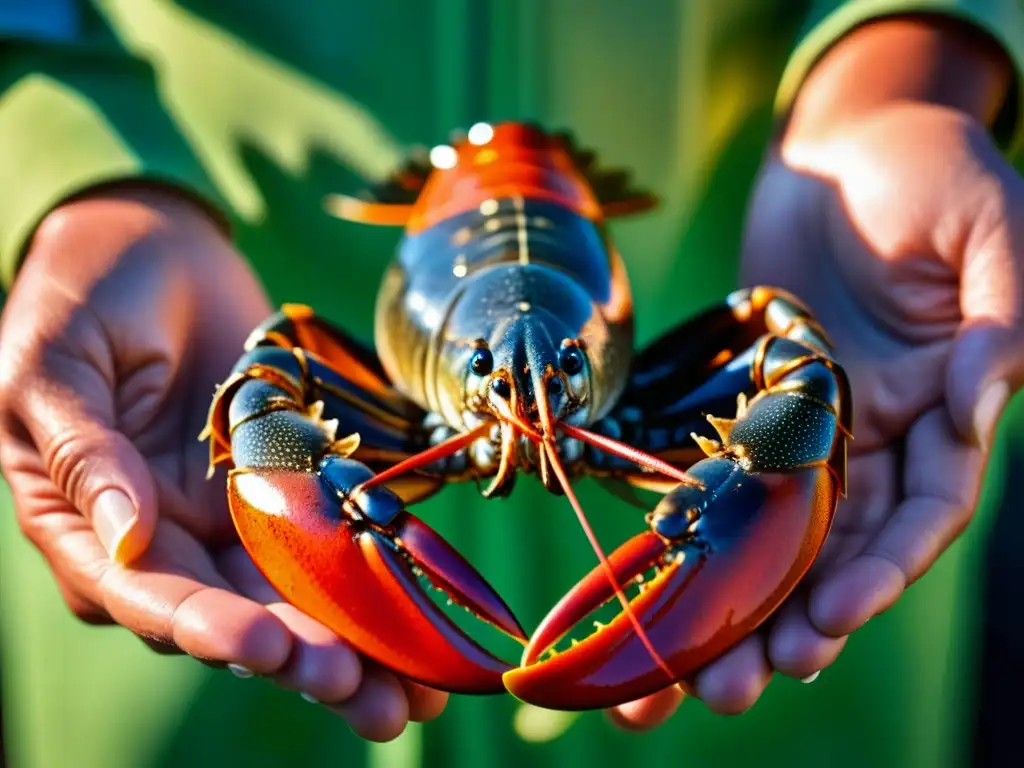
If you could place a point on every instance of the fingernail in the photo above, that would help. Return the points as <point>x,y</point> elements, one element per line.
<point>310,699</point>
<point>536,726</point>
<point>988,410</point>
<point>239,671</point>
<point>113,517</point>
<point>811,678</point>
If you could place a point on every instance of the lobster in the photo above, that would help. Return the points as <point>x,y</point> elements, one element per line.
<point>503,346</point>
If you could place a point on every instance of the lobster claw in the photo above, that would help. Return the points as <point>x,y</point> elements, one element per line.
<point>726,557</point>
<point>348,557</point>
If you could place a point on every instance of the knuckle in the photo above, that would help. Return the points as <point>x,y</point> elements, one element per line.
<point>147,615</point>
<point>69,454</point>
<point>84,610</point>
<point>69,548</point>
<point>890,559</point>
<point>992,206</point>
<point>55,227</point>
<point>37,529</point>
<point>73,583</point>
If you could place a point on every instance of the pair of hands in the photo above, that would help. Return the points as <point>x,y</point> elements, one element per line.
<point>897,223</point>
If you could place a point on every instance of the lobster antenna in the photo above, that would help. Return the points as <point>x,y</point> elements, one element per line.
<point>641,633</point>
<point>629,453</point>
<point>434,453</point>
<point>547,423</point>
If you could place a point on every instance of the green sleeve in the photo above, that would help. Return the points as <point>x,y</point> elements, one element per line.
<point>830,20</point>
<point>73,116</point>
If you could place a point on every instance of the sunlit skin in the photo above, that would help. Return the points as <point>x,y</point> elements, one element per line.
<point>187,593</point>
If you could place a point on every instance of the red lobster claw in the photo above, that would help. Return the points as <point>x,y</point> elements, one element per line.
<point>345,556</point>
<point>726,556</point>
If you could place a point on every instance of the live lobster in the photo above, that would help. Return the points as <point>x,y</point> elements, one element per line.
<point>504,344</point>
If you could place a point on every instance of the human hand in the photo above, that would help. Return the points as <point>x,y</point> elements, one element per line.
<point>129,310</point>
<point>892,214</point>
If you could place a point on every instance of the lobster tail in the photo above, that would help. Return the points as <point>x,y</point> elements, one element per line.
<point>509,155</point>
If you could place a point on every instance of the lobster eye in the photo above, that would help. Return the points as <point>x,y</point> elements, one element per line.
<point>482,362</point>
<point>570,358</point>
<point>501,388</point>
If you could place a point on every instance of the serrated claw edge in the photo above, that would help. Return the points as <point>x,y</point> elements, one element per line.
<point>706,444</point>
<point>741,405</point>
<point>347,445</point>
<point>722,426</point>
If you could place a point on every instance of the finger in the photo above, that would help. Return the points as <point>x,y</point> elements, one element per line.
<point>68,411</point>
<point>874,482</point>
<point>63,537</point>
<point>648,712</point>
<point>379,710</point>
<point>174,596</point>
<point>984,372</point>
<point>732,684</point>
<point>425,703</point>
<point>211,624</point>
<point>322,666</point>
<point>942,479</point>
<point>795,647</point>
<point>987,364</point>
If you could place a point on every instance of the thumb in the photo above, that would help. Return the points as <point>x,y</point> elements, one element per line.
<point>987,362</point>
<point>94,465</point>
<point>984,371</point>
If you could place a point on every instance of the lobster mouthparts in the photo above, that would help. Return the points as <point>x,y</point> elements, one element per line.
<point>359,578</point>
<point>736,550</point>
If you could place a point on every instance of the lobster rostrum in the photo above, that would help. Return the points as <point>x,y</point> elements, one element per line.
<point>504,345</point>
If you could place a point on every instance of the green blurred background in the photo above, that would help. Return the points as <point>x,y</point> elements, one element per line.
<point>284,103</point>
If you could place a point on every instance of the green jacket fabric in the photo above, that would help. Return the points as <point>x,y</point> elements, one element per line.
<point>261,109</point>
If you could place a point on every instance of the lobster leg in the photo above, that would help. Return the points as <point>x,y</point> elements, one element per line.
<point>726,555</point>
<point>700,368</point>
<point>341,549</point>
